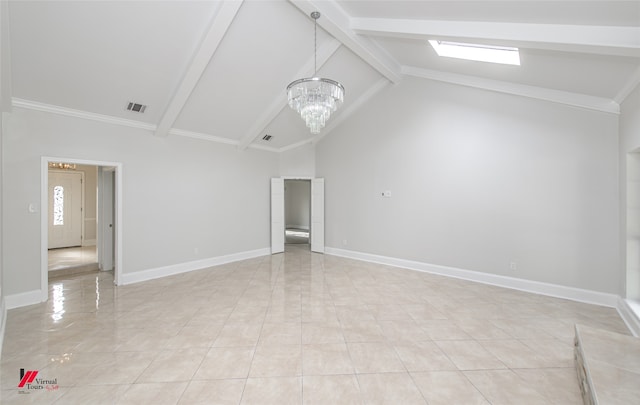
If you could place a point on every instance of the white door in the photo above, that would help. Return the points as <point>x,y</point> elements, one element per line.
<point>65,209</point>
<point>317,215</point>
<point>105,218</point>
<point>277,216</point>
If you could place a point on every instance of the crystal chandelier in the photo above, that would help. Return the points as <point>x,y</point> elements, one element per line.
<point>315,98</point>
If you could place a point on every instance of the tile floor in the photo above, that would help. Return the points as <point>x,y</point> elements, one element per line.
<point>71,257</point>
<point>297,328</point>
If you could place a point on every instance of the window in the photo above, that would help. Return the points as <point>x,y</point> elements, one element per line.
<point>58,205</point>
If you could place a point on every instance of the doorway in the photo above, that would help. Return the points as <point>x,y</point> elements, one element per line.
<point>71,219</point>
<point>99,244</point>
<point>316,216</point>
<point>297,212</point>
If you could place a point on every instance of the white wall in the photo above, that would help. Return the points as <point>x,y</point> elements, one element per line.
<point>180,195</point>
<point>2,293</point>
<point>298,162</point>
<point>630,193</point>
<point>297,203</point>
<point>478,180</point>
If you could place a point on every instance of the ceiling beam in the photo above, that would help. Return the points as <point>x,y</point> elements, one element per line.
<point>212,38</point>
<point>602,40</point>
<point>280,100</point>
<point>540,93</point>
<point>336,22</point>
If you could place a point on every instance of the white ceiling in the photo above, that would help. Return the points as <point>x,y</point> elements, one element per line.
<point>218,69</point>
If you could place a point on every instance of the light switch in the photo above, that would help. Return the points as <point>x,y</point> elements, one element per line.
<point>33,208</point>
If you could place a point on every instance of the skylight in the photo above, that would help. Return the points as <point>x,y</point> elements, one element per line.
<point>482,53</point>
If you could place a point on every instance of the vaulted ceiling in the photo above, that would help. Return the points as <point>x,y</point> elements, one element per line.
<point>218,70</point>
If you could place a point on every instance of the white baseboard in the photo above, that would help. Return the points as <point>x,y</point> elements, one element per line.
<point>23,299</point>
<point>630,313</point>
<point>89,242</point>
<point>553,290</point>
<point>3,322</point>
<point>144,275</point>
<point>303,227</point>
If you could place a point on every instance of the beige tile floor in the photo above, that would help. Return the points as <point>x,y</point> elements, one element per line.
<point>298,328</point>
<point>71,257</point>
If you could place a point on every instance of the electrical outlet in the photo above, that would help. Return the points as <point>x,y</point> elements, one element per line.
<point>513,266</point>
<point>386,193</point>
<point>344,242</point>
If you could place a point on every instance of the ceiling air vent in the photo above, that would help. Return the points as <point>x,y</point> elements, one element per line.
<point>135,107</point>
<point>267,137</point>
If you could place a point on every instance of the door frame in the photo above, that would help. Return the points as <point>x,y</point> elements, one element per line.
<point>44,216</point>
<point>310,179</point>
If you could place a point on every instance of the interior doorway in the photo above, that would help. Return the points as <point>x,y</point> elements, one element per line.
<point>297,212</point>
<point>316,216</point>
<point>72,219</point>
<point>100,200</point>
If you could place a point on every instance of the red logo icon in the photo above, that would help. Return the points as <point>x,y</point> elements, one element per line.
<point>27,378</point>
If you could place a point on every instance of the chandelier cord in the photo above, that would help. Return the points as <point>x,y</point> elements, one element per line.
<point>315,98</point>
<point>315,46</point>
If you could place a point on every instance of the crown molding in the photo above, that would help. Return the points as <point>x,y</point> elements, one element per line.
<point>69,112</point>
<point>201,136</point>
<point>217,139</point>
<point>629,86</point>
<point>296,145</point>
<point>557,96</point>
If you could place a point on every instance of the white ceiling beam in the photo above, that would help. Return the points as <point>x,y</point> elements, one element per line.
<point>620,41</point>
<point>540,93</point>
<point>212,38</point>
<point>325,52</point>
<point>5,59</point>
<point>336,22</point>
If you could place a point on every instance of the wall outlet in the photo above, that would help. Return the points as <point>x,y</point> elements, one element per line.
<point>513,266</point>
<point>344,242</point>
<point>196,250</point>
<point>386,193</point>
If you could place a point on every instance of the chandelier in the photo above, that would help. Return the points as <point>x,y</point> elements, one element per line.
<point>315,98</point>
